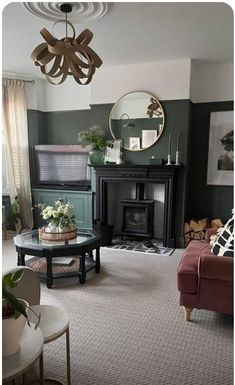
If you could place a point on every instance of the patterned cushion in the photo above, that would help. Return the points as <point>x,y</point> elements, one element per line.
<point>214,237</point>
<point>223,246</point>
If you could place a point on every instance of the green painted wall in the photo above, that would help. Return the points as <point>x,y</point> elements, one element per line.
<point>194,198</point>
<point>62,127</point>
<point>202,200</point>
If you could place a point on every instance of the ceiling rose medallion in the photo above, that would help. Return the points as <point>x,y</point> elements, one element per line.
<point>68,56</point>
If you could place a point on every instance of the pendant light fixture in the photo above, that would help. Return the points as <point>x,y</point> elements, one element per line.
<point>68,56</point>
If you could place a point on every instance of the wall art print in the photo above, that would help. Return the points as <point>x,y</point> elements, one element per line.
<point>221,152</point>
<point>134,143</point>
<point>114,154</point>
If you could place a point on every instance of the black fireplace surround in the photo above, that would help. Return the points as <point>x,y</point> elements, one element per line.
<point>140,174</point>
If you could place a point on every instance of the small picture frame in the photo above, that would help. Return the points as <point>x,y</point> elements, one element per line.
<point>114,154</point>
<point>134,143</point>
<point>149,137</point>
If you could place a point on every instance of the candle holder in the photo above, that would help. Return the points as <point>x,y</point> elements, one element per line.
<point>169,152</point>
<point>168,160</point>
<point>177,163</point>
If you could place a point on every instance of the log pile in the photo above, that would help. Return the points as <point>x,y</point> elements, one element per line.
<point>196,229</point>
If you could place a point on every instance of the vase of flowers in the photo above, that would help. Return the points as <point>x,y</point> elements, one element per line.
<point>95,136</point>
<point>61,224</point>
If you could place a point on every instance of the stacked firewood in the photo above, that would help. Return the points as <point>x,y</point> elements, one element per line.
<point>196,229</point>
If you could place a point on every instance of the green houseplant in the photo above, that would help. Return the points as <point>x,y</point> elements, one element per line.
<point>95,137</point>
<point>14,314</point>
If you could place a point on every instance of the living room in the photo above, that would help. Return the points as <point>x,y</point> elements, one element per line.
<point>126,322</point>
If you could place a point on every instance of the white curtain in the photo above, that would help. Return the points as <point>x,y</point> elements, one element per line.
<point>15,140</point>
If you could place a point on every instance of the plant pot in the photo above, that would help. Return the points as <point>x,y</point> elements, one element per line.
<point>96,156</point>
<point>105,230</point>
<point>12,330</point>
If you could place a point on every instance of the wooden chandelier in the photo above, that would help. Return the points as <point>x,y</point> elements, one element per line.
<point>67,56</point>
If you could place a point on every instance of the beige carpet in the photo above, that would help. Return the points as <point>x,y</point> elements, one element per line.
<point>127,327</point>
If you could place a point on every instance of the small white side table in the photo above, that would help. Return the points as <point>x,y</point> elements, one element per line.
<point>54,323</point>
<point>31,347</point>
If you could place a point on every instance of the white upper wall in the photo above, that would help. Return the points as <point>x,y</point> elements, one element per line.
<point>211,82</point>
<point>66,96</point>
<point>166,80</point>
<point>171,80</point>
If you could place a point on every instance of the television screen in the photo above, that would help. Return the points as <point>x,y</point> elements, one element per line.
<point>61,165</point>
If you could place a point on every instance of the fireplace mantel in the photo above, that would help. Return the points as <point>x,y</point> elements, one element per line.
<point>139,174</point>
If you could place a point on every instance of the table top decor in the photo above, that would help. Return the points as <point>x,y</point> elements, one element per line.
<point>61,224</point>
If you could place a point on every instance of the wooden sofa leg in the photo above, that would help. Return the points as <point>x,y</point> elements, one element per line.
<point>187,312</point>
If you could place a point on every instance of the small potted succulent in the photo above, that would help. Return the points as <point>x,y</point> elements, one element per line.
<point>14,314</point>
<point>95,136</point>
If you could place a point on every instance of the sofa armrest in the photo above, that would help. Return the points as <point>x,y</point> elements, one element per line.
<point>209,233</point>
<point>215,267</point>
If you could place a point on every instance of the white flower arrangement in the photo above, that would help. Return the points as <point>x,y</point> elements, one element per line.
<point>59,216</point>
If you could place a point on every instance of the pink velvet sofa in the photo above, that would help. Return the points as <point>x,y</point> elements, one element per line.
<point>205,280</point>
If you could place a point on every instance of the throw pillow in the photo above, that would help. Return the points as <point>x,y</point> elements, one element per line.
<point>223,246</point>
<point>214,237</point>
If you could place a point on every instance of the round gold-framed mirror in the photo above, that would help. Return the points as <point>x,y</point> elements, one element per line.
<point>138,119</point>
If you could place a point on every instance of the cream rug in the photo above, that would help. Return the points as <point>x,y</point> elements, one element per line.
<point>127,327</point>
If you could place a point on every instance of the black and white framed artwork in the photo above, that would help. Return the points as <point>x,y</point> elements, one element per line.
<point>221,152</point>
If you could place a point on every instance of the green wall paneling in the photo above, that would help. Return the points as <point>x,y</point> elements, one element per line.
<point>204,200</point>
<point>194,197</point>
<point>62,127</point>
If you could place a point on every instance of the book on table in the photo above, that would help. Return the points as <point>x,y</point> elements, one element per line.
<point>66,261</point>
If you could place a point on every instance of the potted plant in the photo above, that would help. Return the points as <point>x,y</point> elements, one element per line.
<point>14,314</point>
<point>95,136</point>
<point>60,221</point>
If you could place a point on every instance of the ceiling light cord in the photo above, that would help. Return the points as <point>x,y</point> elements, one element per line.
<point>66,28</point>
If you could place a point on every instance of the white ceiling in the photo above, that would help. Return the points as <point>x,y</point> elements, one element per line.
<point>129,33</point>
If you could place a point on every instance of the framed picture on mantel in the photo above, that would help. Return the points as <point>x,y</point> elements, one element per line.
<point>134,143</point>
<point>220,156</point>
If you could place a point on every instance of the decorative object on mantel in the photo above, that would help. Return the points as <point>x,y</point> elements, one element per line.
<point>95,136</point>
<point>61,224</point>
<point>169,152</point>
<point>114,154</point>
<point>67,56</point>
<point>196,229</point>
<point>157,161</point>
<point>177,150</point>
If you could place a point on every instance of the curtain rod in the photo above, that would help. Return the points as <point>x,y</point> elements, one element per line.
<point>26,81</point>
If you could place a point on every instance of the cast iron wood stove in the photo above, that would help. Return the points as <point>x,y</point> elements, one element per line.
<point>137,217</point>
<point>138,214</point>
